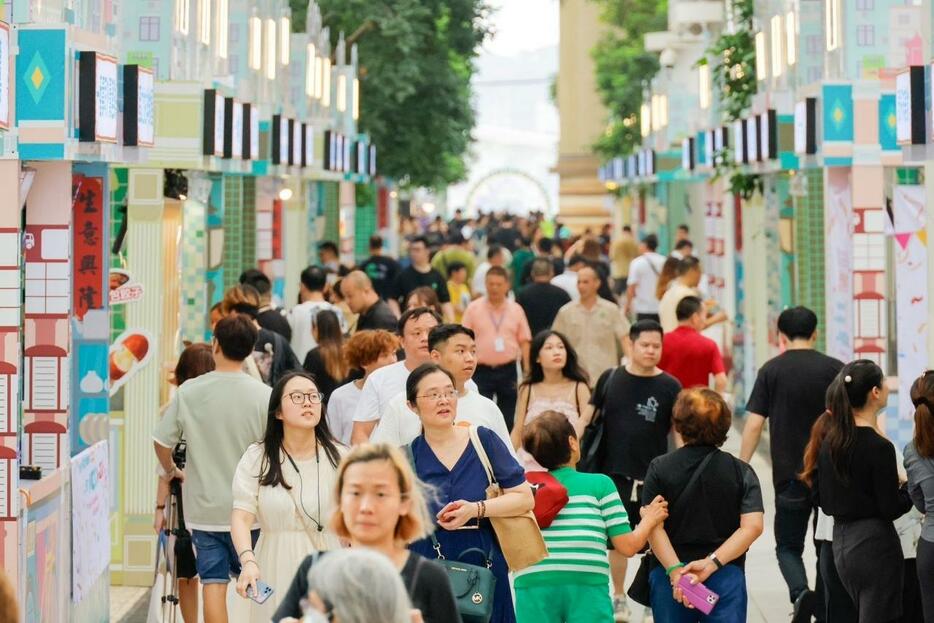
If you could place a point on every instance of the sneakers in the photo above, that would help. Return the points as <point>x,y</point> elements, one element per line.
<point>621,612</point>
<point>805,607</point>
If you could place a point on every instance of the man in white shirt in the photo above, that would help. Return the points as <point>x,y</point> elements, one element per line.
<point>311,292</point>
<point>643,280</point>
<point>453,348</point>
<point>387,382</point>
<point>567,280</point>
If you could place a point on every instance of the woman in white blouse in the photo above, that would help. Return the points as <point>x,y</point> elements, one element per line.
<point>283,483</point>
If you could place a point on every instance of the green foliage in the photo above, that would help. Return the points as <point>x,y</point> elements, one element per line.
<point>416,61</point>
<point>733,72</point>
<point>624,68</point>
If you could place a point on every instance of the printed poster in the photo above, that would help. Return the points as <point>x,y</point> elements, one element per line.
<point>90,520</point>
<point>838,205</point>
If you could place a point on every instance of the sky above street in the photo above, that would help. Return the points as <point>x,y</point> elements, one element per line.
<point>523,25</point>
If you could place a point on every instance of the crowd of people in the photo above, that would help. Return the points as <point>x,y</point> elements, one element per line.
<point>490,428</point>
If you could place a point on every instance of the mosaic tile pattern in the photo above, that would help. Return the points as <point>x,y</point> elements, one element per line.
<point>809,248</point>
<point>234,225</point>
<point>331,202</point>
<point>248,258</point>
<point>195,306</point>
<point>364,221</point>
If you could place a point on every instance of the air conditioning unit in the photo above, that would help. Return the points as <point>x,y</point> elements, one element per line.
<point>693,15</point>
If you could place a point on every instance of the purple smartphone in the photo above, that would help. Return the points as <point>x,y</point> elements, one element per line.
<point>699,595</point>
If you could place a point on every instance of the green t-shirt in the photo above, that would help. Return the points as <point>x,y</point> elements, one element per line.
<point>519,259</point>
<point>219,414</point>
<point>576,539</point>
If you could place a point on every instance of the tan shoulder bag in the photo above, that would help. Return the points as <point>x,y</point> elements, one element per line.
<point>519,537</point>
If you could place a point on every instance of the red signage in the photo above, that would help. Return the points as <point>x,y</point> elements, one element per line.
<point>88,228</point>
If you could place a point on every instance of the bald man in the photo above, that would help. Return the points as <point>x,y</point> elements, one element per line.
<point>357,290</point>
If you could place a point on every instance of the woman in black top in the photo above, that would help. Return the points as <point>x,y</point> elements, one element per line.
<point>381,507</point>
<point>326,361</point>
<point>857,484</point>
<point>715,513</point>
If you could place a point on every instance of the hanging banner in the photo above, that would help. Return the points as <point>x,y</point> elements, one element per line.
<point>838,204</point>
<point>88,244</point>
<point>911,306</point>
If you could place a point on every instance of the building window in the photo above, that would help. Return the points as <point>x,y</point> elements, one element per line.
<point>233,36</point>
<point>865,5</point>
<point>233,64</point>
<point>814,74</point>
<point>149,29</point>
<point>865,35</point>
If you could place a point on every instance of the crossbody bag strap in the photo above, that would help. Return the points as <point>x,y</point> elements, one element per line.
<point>601,397</point>
<point>481,453</point>
<point>693,481</point>
<point>418,568</point>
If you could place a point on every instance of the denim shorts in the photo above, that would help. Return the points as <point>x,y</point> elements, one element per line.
<point>215,556</point>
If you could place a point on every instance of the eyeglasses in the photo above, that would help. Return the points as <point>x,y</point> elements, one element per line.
<point>299,398</point>
<point>450,394</point>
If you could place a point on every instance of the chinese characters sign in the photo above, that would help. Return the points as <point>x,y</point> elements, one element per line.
<point>88,244</point>
<point>97,101</point>
<point>138,106</point>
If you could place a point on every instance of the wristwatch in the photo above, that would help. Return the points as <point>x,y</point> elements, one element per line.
<point>715,560</point>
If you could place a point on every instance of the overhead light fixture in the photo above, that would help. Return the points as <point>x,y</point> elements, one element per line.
<point>285,194</point>
<point>791,40</point>
<point>703,86</point>
<point>285,29</point>
<point>271,49</point>
<point>256,43</point>
<point>762,67</point>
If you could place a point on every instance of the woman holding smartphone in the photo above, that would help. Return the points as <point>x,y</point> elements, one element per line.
<point>715,513</point>
<point>284,483</point>
<point>445,459</point>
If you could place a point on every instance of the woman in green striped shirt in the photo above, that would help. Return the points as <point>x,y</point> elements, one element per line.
<point>572,583</point>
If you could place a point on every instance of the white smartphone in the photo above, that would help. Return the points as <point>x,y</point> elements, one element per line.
<point>265,592</point>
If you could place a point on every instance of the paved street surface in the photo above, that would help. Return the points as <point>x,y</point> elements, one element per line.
<point>768,597</point>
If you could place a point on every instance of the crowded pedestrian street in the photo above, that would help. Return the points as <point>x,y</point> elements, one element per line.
<point>466,311</point>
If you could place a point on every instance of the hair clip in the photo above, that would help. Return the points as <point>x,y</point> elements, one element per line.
<point>848,379</point>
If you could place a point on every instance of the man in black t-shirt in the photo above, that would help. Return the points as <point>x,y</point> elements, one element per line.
<point>381,270</point>
<point>420,274</point>
<point>362,299</point>
<point>636,401</point>
<point>789,392</point>
<point>540,299</point>
<point>268,316</point>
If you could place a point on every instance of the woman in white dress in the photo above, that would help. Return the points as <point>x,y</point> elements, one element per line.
<point>284,484</point>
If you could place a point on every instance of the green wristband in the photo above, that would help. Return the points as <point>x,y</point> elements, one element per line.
<point>673,567</point>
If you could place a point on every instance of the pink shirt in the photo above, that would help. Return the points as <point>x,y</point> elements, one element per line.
<point>505,326</point>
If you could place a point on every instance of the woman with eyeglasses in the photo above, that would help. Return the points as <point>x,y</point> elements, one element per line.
<point>919,463</point>
<point>381,507</point>
<point>446,460</point>
<point>284,484</point>
<point>856,482</point>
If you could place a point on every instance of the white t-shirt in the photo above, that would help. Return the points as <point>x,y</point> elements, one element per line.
<point>668,306</point>
<point>643,273</point>
<point>341,407</point>
<point>299,318</point>
<point>567,281</point>
<point>380,388</point>
<point>478,286</point>
<point>400,425</point>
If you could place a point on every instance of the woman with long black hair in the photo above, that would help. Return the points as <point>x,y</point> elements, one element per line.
<point>857,484</point>
<point>326,362</point>
<point>556,382</point>
<point>284,484</point>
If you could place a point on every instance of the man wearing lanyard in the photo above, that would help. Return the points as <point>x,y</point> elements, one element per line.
<point>503,336</point>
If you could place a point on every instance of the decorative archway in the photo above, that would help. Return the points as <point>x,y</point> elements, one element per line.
<point>495,181</point>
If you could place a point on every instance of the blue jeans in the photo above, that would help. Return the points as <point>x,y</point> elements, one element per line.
<point>215,556</point>
<point>729,583</point>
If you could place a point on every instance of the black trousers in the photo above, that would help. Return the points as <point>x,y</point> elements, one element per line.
<point>499,383</point>
<point>839,606</point>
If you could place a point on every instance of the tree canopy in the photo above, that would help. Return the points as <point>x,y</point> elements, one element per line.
<point>624,68</point>
<point>416,62</point>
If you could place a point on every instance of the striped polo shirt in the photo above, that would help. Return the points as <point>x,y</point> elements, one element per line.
<point>576,539</point>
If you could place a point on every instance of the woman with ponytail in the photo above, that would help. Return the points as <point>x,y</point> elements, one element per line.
<point>919,463</point>
<point>857,483</point>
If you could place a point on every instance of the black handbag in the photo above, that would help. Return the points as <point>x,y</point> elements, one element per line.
<point>473,585</point>
<point>593,443</point>
<point>640,591</point>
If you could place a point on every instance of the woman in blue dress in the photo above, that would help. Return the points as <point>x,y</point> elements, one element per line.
<point>446,460</point>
